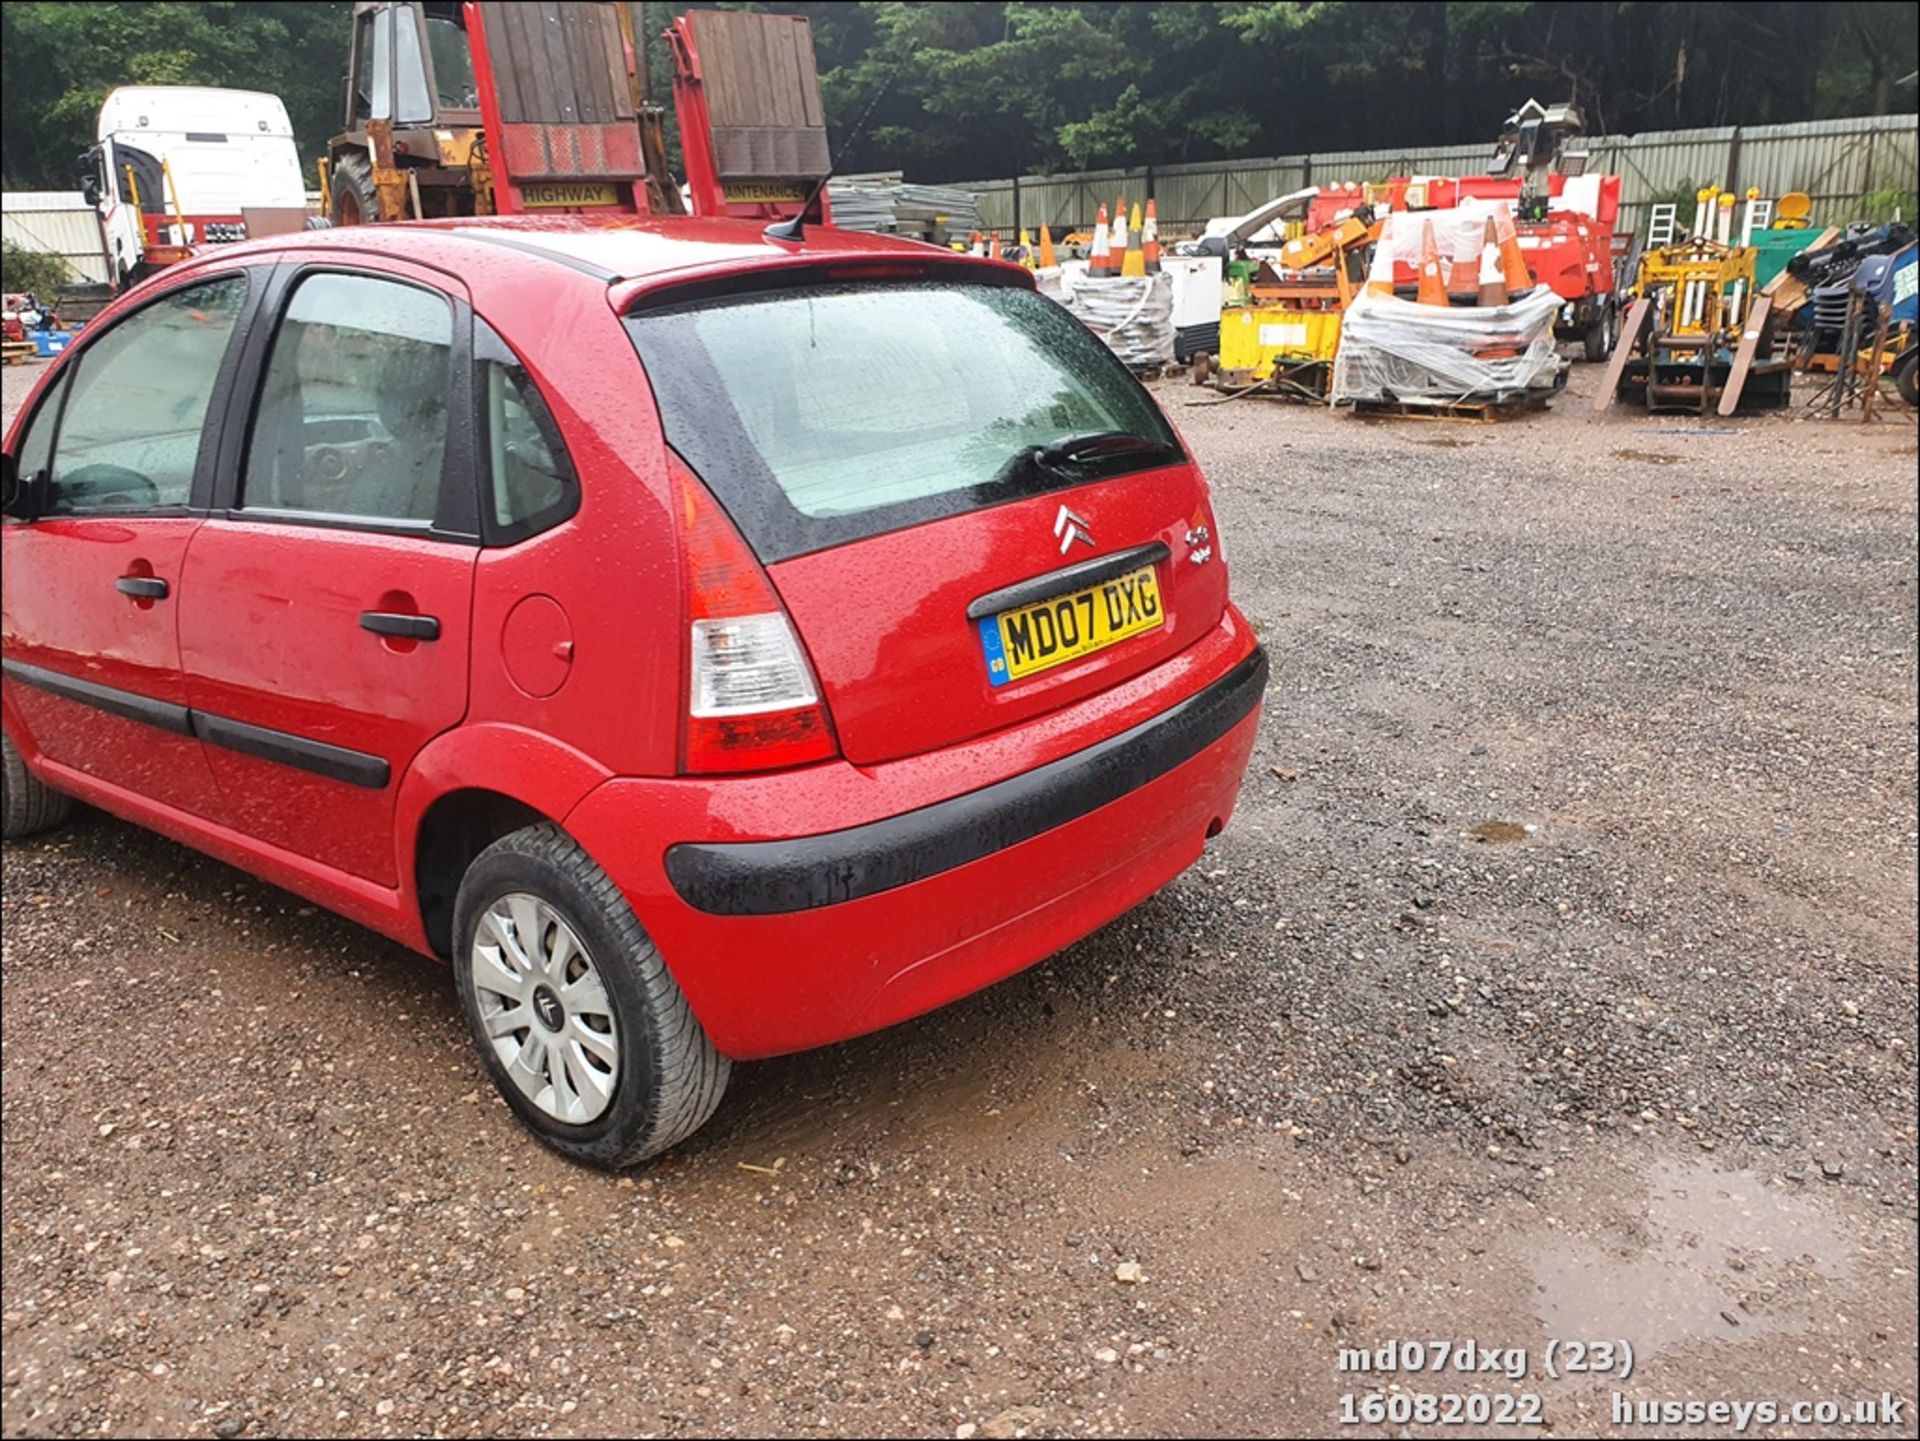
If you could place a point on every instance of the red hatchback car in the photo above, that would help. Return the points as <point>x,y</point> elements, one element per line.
<point>713,645</point>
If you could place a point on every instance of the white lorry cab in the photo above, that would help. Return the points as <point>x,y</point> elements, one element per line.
<point>183,166</point>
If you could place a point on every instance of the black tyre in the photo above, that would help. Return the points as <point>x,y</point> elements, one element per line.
<point>1598,339</point>
<point>28,806</point>
<point>354,201</point>
<point>576,1017</point>
<point>1906,373</point>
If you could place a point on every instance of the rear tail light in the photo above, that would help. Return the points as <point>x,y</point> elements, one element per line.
<point>752,703</point>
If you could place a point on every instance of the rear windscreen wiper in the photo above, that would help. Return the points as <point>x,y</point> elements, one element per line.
<point>1096,445</point>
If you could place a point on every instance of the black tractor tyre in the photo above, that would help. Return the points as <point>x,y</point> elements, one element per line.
<point>1906,377</point>
<point>1598,340</point>
<point>354,199</point>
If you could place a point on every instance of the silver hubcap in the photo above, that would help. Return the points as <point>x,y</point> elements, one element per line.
<point>544,1008</point>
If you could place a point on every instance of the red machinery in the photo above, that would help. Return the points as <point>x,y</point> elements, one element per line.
<point>1566,219</point>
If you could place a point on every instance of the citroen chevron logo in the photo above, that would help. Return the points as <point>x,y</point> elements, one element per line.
<point>1070,527</point>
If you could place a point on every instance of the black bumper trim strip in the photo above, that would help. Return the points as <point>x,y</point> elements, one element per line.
<point>125,704</point>
<point>764,878</point>
<point>1069,578</point>
<point>334,762</point>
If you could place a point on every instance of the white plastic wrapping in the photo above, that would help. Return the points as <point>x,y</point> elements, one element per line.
<point>1133,315</point>
<point>1458,234</point>
<point>1398,350</point>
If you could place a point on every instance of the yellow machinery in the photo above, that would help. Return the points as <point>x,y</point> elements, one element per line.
<point>1694,335</point>
<point>1701,287</point>
<point>1283,335</point>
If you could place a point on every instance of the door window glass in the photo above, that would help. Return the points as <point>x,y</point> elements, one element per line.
<point>411,72</point>
<point>130,433</point>
<point>380,82</point>
<point>36,444</point>
<point>363,67</point>
<point>452,63</point>
<point>352,419</point>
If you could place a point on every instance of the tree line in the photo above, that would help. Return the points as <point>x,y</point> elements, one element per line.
<point>964,89</point>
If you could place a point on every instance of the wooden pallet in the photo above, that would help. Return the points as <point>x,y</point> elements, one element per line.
<point>17,352</point>
<point>1483,412</point>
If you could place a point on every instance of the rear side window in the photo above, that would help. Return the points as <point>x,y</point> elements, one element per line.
<point>826,414</point>
<point>352,420</point>
<point>530,483</point>
<point>130,431</point>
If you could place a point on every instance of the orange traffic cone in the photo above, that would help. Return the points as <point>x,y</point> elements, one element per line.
<point>1047,262</point>
<point>1433,289</point>
<point>1464,276</point>
<point>1120,238</point>
<point>1493,280</point>
<point>1134,263</point>
<point>1513,265</point>
<point>1150,240</point>
<point>993,248</point>
<point>1100,261</point>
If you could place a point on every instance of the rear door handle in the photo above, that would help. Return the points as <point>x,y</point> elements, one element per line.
<point>407,627</point>
<point>142,587</point>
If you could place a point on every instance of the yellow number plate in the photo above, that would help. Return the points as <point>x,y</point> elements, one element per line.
<point>1052,632</point>
<point>764,192</point>
<point>550,194</point>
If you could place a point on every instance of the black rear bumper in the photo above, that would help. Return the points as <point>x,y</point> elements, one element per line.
<point>761,878</point>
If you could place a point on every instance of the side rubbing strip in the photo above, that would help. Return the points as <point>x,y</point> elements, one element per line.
<point>124,704</point>
<point>334,762</point>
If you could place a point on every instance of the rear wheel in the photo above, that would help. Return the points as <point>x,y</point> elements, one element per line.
<point>575,1015</point>
<point>28,806</point>
<point>354,202</point>
<point>1905,370</point>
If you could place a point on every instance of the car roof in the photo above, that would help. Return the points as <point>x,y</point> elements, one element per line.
<point>640,250</point>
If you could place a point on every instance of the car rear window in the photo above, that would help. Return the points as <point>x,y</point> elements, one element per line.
<point>825,414</point>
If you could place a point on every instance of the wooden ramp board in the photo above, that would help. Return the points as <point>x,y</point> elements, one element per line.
<point>1639,315</point>
<point>1758,319</point>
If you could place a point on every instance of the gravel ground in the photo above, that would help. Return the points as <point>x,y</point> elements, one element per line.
<point>1556,979</point>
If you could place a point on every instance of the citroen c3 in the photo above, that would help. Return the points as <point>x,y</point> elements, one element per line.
<point>711,644</point>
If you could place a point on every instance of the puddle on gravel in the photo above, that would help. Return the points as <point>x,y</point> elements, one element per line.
<point>1713,1255</point>
<point>1498,832</point>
